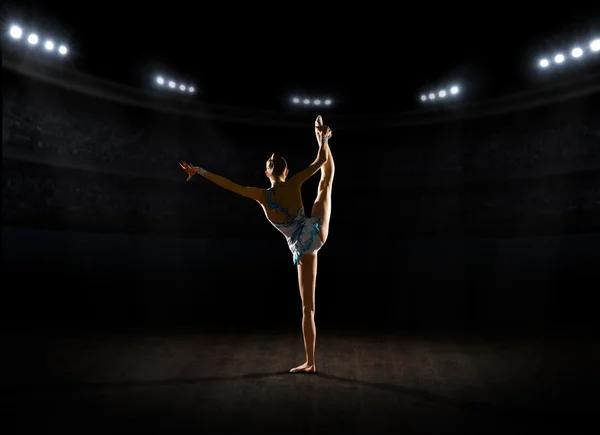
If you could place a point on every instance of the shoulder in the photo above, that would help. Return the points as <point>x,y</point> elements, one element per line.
<point>294,183</point>
<point>257,194</point>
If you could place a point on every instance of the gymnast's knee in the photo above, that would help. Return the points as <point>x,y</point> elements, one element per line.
<point>308,310</point>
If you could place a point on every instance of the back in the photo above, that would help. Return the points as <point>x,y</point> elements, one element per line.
<point>282,203</point>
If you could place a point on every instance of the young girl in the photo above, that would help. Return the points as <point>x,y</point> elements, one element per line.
<point>283,207</point>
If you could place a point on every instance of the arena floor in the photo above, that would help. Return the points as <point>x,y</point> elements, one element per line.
<point>192,382</point>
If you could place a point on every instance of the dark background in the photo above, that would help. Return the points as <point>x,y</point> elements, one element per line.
<point>476,225</point>
<point>482,215</point>
<point>456,292</point>
<point>373,58</point>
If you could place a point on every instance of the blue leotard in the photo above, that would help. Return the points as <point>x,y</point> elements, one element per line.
<point>301,233</point>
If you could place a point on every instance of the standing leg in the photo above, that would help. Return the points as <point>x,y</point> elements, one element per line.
<point>307,280</point>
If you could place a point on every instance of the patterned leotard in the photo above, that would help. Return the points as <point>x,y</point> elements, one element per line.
<point>301,233</point>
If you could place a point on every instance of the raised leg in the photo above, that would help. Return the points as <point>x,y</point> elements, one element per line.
<point>322,205</point>
<point>307,280</point>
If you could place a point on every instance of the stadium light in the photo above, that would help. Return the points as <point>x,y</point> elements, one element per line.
<point>443,94</point>
<point>171,84</point>
<point>307,101</point>
<point>577,52</point>
<point>16,32</point>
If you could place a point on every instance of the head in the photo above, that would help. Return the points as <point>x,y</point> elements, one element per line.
<point>277,169</point>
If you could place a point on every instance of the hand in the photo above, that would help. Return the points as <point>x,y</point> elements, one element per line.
<point>323,131</point>
<point>189,169</point>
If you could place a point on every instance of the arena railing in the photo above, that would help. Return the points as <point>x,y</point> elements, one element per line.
<point>71,79</point>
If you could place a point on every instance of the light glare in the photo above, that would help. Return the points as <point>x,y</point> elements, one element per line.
<point>49,45</point>
<point>62,50</point>
<point>16,32</point>
<point>310,101</point>
<point>595,45</point>
<point>442,93</point>
<point>576,52</point>
<point>32,39</point>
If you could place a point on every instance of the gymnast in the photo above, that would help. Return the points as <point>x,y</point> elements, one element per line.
<point>283,207</point>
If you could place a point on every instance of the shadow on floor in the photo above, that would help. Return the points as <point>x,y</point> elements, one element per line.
<point>413,393</point>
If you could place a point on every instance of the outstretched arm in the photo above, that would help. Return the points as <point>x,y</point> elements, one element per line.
<point>248,192</point>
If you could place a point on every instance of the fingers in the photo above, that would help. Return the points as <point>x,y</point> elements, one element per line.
<point>191,171</point>
<point>186,166</point>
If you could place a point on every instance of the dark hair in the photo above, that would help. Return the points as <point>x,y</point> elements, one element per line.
<point>277,165</point>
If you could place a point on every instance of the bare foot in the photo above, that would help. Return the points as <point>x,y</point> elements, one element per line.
<point>304,368</point>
